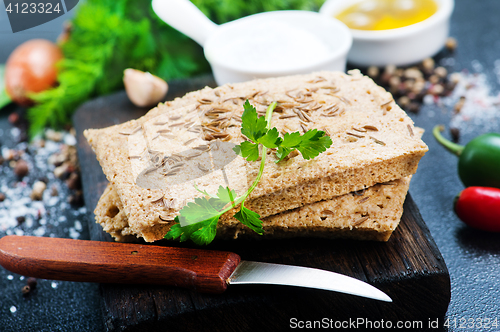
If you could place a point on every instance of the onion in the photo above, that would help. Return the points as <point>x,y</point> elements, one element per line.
<point>31,68</point>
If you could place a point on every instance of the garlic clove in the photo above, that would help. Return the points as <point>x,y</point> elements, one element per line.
<point>144,89</point>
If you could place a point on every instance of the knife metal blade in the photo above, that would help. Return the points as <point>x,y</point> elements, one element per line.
<point>279,274</point>
<point>208,271</point>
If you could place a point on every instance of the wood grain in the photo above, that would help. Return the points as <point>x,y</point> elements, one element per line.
<point>205,271</point>
<point>409,267</point>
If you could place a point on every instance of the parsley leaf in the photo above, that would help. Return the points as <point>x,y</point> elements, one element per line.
<point>252,126</point>
<point>255,127</point>
<point>204,208</point>
<point>201,233</point>
<point>225,194</point>
<point>310,145</point>
<point>199,210</point>
<point>205,232</point>
<point>313,143</point>
<point>250,218</point>
<point>282,152</point>
<point>271,139</point>
<point>248,150</point>
<point>198,220</point>
<point>290,143</point>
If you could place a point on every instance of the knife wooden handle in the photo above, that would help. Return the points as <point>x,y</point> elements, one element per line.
<point>109,262</point>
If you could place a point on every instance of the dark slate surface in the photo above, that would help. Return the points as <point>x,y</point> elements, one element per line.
<point>53,305</point>
<point>472,257</point>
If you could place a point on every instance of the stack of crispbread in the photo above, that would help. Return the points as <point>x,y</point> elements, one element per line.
<point>355,189</point>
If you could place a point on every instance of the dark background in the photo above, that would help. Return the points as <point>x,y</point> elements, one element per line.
<point>472,257</point>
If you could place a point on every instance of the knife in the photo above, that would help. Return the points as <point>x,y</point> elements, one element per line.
<point>206,271</point>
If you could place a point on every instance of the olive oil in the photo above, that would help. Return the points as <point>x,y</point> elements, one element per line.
<point>386,14</point>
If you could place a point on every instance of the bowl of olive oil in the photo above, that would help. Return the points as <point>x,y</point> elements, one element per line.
<point>397,32</point>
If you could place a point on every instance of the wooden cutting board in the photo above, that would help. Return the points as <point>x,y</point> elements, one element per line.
<point>409,267</point>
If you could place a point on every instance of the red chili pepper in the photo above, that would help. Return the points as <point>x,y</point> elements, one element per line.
<point>479,207</point>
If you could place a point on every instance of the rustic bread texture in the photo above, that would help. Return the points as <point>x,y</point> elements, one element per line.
<point>373,142</point>
<point>370,214</point>
<point>110,215</point>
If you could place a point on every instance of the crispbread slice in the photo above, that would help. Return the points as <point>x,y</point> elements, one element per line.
<point>371,214</point>
<point>373,142</point>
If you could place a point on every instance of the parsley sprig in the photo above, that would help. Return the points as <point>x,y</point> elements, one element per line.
<point>198,220</point>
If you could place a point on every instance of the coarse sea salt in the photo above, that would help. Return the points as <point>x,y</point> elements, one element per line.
<point>21,215</point>
<point>480,112</point>
<point>15,132</point>
<point>78,225</point>
<point>271,47</point>
<point>73,233</point>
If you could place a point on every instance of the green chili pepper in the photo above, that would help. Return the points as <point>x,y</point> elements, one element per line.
<point>479,160</point>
